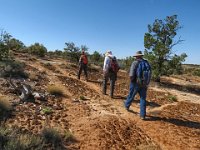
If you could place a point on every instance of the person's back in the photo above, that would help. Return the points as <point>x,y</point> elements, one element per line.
<point>108,73</point>
<point>143,73</point>
<point>114,66</point>
<point>140,73</point>
<point>83,61</point>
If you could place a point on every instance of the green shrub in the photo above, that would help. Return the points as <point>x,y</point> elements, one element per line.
<point>196,72</point>
<point>37,49</point>
<point>4,44</point>
<point>47,110</point>
<point>55,90</point>
<point>83,98</point>
<point>13,69</point>
<point>172,98</point>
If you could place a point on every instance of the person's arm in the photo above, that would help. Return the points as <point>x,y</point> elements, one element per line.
<point>133,70</point>
<point>106,65</point>
<point>80,60</point>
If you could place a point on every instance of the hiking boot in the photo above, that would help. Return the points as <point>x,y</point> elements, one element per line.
<point>127,108</point>
<point>142,118</point>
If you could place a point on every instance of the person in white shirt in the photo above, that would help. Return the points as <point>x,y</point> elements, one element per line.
<point>108,74</point>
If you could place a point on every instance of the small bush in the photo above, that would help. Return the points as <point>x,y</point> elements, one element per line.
<point>37,49</point>
<point>33,59</point>
<point>13,69</point>
<point>33,76</point>
<point>196,72</point>
<point>55,90</point>
<point>23,142</point>
<point>47,110</point>
<point>68,135</point>
<point>3,136</point>
<point>83,98</point>
<point>172,98</point>
<point>14,139</point>
<point>49,66</point>
<point>5,105</point>
<point>52,136</point>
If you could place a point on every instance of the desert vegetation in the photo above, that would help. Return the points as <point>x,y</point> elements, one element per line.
<point>68,113</point>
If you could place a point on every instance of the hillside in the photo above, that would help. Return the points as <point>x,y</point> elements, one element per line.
<point>95,121</point>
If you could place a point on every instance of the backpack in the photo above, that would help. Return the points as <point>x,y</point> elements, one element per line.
<point>143,73</point>
<point>114,67</point>
<point>84,59</point>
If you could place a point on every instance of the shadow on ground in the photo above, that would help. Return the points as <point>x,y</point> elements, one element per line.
<point>178,122</point>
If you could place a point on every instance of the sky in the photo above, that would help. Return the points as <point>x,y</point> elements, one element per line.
<point>101,25</point>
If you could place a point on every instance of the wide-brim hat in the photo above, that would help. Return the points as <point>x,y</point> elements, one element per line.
<point>138,53</point>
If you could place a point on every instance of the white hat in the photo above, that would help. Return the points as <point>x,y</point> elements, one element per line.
<point>108,53</point>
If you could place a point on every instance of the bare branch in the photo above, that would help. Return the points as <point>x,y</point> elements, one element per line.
<point>176,42</point>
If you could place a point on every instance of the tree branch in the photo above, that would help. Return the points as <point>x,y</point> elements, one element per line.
<point>176,42</point>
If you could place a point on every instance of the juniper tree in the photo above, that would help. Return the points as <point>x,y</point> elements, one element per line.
<point>159,43</point>
<point>4,44</point>
<point>73,52</point>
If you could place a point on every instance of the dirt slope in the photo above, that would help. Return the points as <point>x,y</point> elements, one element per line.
<point>99,122</point>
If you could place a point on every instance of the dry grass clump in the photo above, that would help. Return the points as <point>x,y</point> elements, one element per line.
<point>34,76</point>
<point>52,136</point>
<point>68,135</point>
<point>63,66</point>
<point>55,90</point>
<point>5,104</point>
<point>24,142</point>
<point>14,139</point>
<point>33,58</point>
<point>49,66</point>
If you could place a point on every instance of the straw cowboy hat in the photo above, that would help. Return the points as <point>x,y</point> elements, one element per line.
<point>138,53</point>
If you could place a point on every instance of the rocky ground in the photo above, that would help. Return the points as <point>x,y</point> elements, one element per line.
<point>98,122</point>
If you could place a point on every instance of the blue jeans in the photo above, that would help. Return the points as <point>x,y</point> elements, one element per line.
<point>134,89</point>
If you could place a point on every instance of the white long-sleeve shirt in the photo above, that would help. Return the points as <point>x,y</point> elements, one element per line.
<point>106,64</point>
